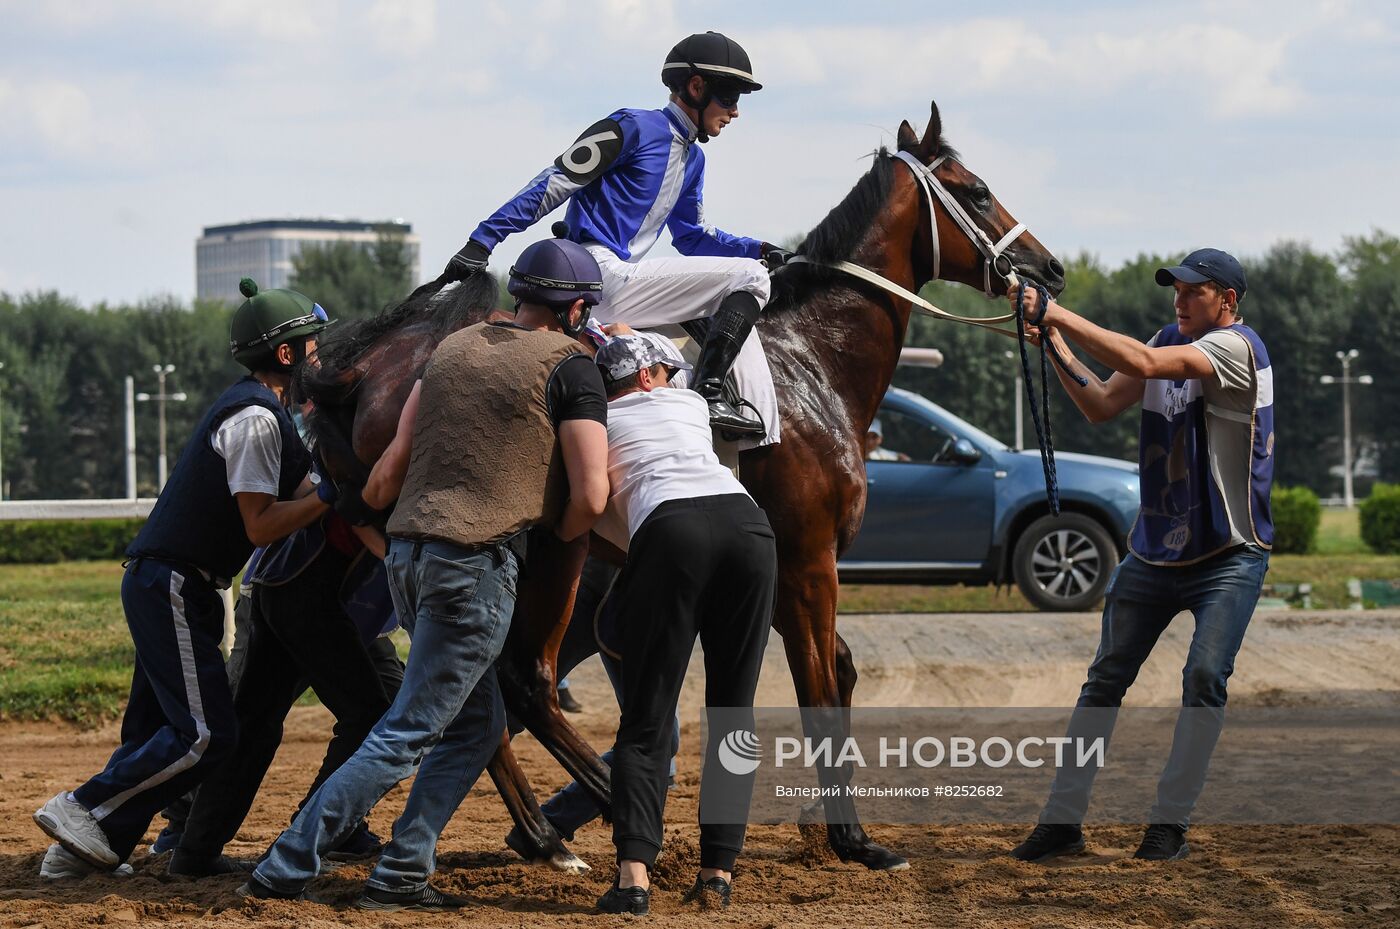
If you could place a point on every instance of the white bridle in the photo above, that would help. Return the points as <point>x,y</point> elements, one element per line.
<point>992,252</point>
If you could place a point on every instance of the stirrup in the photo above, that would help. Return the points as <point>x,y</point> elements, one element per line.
<point>730,420</point>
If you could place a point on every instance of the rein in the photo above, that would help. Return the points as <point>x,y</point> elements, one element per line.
<point>993,259</point>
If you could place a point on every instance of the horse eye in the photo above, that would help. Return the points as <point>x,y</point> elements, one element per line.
<point>982,195</point>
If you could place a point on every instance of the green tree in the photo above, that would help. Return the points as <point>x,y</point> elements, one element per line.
<point>352,280</point>
<point>1372,266</point>
<point>1297,304</point>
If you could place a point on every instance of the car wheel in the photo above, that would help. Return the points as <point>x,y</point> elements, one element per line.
<point>1064,562</point>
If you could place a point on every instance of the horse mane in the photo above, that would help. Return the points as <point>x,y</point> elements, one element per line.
<point>836,236</point>
<point>843,229</point>
<point>444,305</point>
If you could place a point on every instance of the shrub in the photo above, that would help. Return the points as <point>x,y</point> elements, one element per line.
<point>1380,519</point>
<point>1296,516</point>
<point>44,541</point>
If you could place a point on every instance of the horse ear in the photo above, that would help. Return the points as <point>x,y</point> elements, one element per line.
<point>907,139</point>
<point>933,135</point>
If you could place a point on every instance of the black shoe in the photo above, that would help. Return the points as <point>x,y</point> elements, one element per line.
<point>728,329</point>
<point>167,841</point>
<point>633,900</point>
<point>567,703</point>
<point>357,846</point>
<point>1163,843</point>
<point>710,895</point>
<point>728,419</point>
<point>428,899</point>
<point>1050,840</point>
<point>260,891</point>
<point>188,864</point>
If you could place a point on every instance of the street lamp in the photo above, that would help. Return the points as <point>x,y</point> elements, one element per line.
<point>1020,442</point>
<point>160,397</point>
<point>1346,380</point>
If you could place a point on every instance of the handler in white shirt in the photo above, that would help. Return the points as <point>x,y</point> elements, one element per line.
<point>701,561</point>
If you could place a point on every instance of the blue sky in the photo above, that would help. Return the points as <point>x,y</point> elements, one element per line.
<point>1112,128</point>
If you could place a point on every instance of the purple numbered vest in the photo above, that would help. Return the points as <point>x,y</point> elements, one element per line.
<point>1182,518</point>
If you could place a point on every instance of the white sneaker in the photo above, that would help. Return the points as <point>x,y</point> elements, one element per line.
<point>59,863</point>
<point>69,823</point>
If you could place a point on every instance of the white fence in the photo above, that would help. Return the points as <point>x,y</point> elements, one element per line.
<point>139,508</point>
<point>77,509</point>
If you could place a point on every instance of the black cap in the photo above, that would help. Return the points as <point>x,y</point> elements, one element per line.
<point>1206,264</point>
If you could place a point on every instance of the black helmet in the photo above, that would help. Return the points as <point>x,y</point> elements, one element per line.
<point>268,319</point>
<point>715,57</point>
<point>556,272</point>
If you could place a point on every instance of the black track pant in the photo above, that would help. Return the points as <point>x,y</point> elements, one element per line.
<point>705,567</point>
<point>300,637</point>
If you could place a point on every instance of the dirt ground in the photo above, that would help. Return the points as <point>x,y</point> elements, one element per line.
<point>1264,876</point>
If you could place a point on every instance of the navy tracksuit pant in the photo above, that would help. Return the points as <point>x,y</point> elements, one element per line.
<point>179,720</point>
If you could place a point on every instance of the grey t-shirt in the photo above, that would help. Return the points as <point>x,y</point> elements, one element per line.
<point>251,445</point>
<point>1231,397</point>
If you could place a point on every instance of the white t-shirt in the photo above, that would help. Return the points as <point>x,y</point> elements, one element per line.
<point>250,443</point>
<point>659,448</point>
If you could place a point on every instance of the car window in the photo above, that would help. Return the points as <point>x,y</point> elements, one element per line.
<point>896,436</point>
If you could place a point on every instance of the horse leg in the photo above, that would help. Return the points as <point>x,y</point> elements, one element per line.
<point>824,675</point>
<point>541,841</point>
<point>526,667</point>
<point>845,671</point>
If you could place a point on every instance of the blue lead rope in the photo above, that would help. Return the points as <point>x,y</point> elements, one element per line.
<point>1041,415</point>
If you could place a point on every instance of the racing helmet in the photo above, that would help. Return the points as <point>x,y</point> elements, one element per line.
<point>270,318</point>
<point>556,272</point>
<point>719,59</point>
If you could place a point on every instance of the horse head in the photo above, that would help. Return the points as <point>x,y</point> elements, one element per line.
<point>964,254</point>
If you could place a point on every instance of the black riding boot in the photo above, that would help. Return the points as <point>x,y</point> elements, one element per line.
<point>729,327</point>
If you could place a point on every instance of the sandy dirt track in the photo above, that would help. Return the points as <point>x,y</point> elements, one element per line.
<point>1303,876</point>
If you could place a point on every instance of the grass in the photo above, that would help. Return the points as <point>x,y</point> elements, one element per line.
<point>64,647</point>
<point>65,652</point>
<point>1339,533</point>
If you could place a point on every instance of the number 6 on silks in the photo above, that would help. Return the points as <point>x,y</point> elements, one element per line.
<point>593,153</point>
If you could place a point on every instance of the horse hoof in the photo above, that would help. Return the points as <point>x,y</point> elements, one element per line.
<point>876,858</point>
<point>570,863</point>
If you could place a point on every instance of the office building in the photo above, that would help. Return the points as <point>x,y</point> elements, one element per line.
<point>264,249</point>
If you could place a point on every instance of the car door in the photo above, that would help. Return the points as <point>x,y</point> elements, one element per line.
<point>923,506</point>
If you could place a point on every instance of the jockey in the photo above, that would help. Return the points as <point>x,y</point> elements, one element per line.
<point>632,173</point>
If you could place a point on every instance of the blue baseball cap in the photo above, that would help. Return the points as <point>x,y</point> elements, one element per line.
<point>1206,264</point>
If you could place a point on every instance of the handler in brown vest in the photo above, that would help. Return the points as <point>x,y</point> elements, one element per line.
<point>506,430</point>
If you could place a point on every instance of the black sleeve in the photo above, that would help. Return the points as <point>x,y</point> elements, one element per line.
<point>576,391</point>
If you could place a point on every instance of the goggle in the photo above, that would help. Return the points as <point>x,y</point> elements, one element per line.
<point>317,315</point>
<point>726,94</point>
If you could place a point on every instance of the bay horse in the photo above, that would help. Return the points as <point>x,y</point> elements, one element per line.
<point>832,342</point>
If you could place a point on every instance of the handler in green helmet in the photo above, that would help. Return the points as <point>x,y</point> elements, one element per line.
<point>240,482</point>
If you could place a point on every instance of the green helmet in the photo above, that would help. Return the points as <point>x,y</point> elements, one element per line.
<point>269,319</point>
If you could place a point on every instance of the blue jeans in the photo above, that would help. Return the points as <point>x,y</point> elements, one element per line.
<point>1142,599</point>
<point>448,714</point>
<point>573,807</point>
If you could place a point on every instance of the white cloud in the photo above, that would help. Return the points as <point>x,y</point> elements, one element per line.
<point>403,26</point>
<point>169,114</point>
<point>56,118</point>
<point>1236,72</point>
